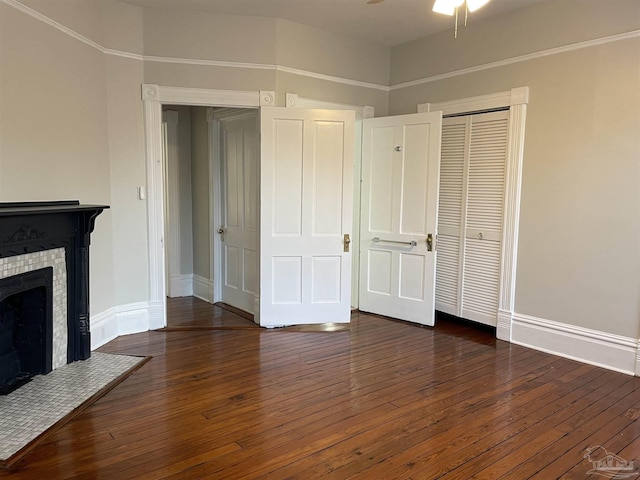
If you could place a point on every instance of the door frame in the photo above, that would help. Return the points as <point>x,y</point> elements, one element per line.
<point>516,100</point>
<point>153,98</point>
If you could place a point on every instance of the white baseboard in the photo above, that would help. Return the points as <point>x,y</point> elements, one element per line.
<point>203,288</point>
<point>120,320</point>
<point>602,349</point>
<point>503,327</point>
<point>181,285</point>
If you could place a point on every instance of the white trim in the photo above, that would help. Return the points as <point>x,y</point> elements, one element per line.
<point>209,63</point>
<point>511,217</point>
<point>120,320</point>
<point>215,203</point>
<point>305,73</point>
<point>361,111</point>
<point>223,114</point>
<point>509,98</point>
<point>181,285</point>
<point>208,97</point>
<point>331,78</point>
<point>521,58</point>
<point>503,325</point>
<point>203,288</point>
<point>155,200</point>
<point>594,347</point>
<point>172,203</point>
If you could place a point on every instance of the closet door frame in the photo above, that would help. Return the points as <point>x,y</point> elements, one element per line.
<point>516,100</point>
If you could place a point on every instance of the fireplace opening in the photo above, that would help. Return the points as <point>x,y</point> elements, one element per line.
<point>26,327</point>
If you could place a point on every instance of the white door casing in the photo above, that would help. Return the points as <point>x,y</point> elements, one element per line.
<point>399,205</point>
<point>306,203</point>
<point>238,232</point>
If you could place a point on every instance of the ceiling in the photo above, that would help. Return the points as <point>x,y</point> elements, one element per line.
<point>388,23</point>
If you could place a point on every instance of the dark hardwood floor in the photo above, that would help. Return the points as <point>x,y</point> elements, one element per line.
<point>379,400</point>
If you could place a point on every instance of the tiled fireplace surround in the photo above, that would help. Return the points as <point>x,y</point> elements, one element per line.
<point>31,262</point>
<point>36,236</point>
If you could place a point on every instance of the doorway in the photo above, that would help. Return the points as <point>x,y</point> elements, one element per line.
<point>211,203</point>
<point>154,98</point>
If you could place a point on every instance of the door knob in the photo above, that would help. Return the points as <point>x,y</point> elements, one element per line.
<point>429,242</point>
<point>221,232</point>
<point>347,241</point>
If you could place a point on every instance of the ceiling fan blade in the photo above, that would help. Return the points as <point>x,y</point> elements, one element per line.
<point>373,2</point>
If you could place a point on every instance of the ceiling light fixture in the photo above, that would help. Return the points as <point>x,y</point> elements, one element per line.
<point>451,7</point>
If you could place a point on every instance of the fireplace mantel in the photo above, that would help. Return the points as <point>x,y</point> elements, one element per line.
<point>28,227</point>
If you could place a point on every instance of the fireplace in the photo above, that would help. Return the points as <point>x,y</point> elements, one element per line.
<point>26,326</point>
<point>44,287</point>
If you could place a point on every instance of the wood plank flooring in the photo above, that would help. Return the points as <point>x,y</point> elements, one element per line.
<point>380,400</point>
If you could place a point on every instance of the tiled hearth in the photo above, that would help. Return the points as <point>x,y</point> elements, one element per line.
<point>28,412</point>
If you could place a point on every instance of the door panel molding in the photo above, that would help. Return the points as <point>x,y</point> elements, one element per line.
<point>306,208</point>
<point>361,112</point>
<point>400,178</point>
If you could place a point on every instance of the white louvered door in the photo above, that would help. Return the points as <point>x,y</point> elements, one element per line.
<point>472,176</point>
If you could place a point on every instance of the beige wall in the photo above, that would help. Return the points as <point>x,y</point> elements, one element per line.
<point>54,129</point>
<point>538,27</point>
<point>578,255</point>
<point>184,201</point>
<point>314,50</point>
<point>127,169</point>
<point>71,128</point>
<point>200,192</point>
<point>208,37</point>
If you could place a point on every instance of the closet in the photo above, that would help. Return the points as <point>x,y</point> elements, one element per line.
<point>470,215</point>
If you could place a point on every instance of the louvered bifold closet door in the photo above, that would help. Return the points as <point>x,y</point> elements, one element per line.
<point>484,212</point>
<point>455,143</point>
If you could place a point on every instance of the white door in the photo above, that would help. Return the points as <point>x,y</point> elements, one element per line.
<point>306,202</point>
<point>239,230</point>
<point>399,208</point>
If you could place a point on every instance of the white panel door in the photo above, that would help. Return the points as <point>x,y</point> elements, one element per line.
<point>399,207</point>
<point>306,202</point>
<point>239,230</point>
